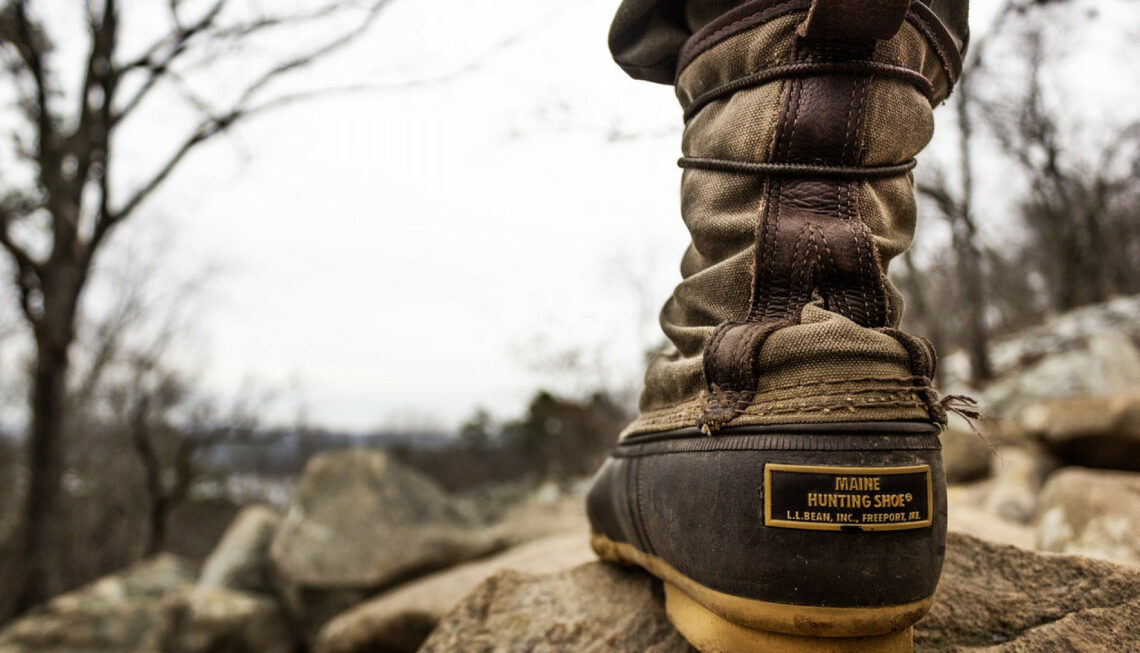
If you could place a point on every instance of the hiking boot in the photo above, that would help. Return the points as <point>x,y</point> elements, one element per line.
<point>784,476</point>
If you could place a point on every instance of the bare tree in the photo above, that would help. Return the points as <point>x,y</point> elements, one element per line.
<point>955,202</point>
<point>1080,211</point>
<point>56,218</point>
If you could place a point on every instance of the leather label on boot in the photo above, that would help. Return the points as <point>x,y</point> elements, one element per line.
<point>856,499</point>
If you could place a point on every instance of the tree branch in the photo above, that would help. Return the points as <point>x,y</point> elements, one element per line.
<point>30,43</point>
<point>178,43</point>
<point>244,106</point>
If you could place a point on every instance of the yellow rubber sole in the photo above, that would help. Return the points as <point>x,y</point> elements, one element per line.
<point>715,622</point>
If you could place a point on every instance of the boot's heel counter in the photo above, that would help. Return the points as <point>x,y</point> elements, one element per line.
<point>819,520</point>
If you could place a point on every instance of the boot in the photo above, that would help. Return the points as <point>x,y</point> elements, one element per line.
<point>784,475</point>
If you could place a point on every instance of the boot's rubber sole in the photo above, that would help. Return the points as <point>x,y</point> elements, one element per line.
<point>716,622</point>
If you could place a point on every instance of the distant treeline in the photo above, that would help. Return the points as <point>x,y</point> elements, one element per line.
<point>557,439</point>
<point>284,452</point>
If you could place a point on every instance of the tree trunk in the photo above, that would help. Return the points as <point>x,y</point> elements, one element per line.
<point>152,474</point>
<point>54,331</point>
<point>45,458</point>
<point>156,533</point>
<point>968,258</point>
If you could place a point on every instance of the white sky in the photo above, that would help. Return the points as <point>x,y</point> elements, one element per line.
<point>392,252</point>
<point>388,254</point>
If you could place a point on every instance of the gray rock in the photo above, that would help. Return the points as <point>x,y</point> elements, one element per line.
<point>1000,598</point>
<point>992,597</point>
<point>212,619</point>
<point>593,608</point>
<point>1093,513</point>
<point>1105,361</point>
<point>1089,351</point>
<point>151,606</point>
<point>119,613</point>
<point>241,558</point>
<point>983,524</point>
<point>965,454</point>
<point>1018,473</point>
<point>360,523</point>
<point>1101,431</point>
<point>400,620</point>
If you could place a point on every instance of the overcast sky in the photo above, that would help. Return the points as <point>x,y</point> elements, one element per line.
<point>408,253</point>
<point>402,254</point>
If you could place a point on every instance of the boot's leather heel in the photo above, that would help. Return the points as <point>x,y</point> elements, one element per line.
<point>822,537</point>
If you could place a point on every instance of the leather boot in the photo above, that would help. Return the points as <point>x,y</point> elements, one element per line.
<point>784,476</point>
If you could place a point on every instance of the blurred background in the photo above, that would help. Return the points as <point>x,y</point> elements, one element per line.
<point>236,235</point>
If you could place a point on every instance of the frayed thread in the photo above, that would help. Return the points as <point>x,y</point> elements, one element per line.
<point>963,406</point>
<point>967,408</point>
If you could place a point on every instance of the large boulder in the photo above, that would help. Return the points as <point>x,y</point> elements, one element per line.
<point>360,523</point>
<point>992,597</point>
<point>152,606</point>
<point>1092,513</point>
<point>1090,351</point>
<point>400,620</point>
<point>1000,598</point>
<point>119,613</point>
<point>1099,431</point>
<point>593,608</point>
<point>241,558</point>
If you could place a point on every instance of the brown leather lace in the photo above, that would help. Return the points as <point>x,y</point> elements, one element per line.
<point>806,169</point>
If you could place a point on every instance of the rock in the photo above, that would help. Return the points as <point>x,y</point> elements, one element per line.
<point>592,608</point>
<point>360,523</point>
<point>1090,431</point>
<point>1093,513</point>
<point>983,524</point>
<point>150,607</point>
<point>992,597</point>
<point>401,619</point>
<point>1018,473</point>
<point>1089,351</point>
<point>241,558</point>
<point>965,454</point>
<point>210,619</point>
<point>1000,598</point>
<point>119,613</point>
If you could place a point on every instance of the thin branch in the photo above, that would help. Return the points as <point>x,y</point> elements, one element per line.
<point>30,43</point>
<point>179,43</point>
<point>242,107</point>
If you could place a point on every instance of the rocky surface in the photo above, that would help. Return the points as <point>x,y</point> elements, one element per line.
<point>1000,598</point>
<point>213,619</point>
<point>593,608</point>
<point>1101,431</point>
<point>992,597</point>
<point>360,523</point>
<point>241,558</point>
<point>1089,351</point>
<point>1093,513</point>
<point>400,620</point>
<point>117,613</point>
<point>978,522</point>
<point>1018,473</point>
<point>152,606</point>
